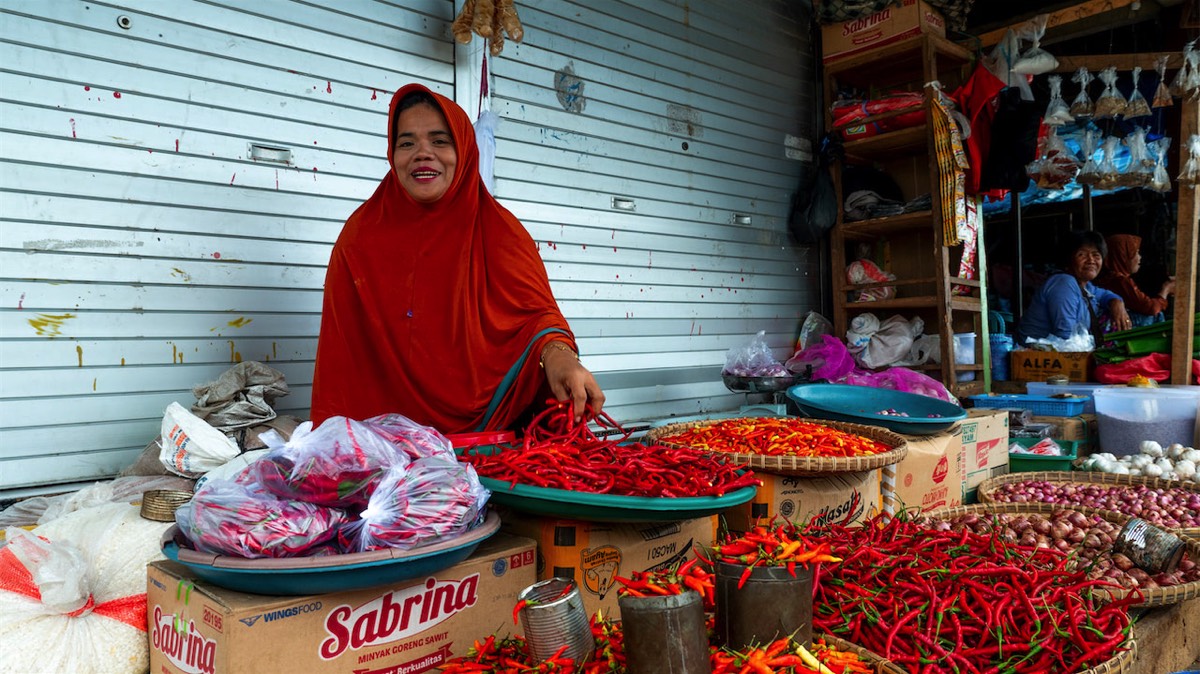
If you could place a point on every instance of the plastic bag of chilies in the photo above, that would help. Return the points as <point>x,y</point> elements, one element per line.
<point>336,464</point>
<point>432,499</point>
<point>1056,166</point>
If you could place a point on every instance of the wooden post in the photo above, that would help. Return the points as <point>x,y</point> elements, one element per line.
<point>1185,254</point>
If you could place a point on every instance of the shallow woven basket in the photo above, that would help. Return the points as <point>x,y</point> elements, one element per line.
<point>1091,477</point>
<point>160,504</point>
<point>1163,596</point>
<point>878,663</point>
<point>802,465</point>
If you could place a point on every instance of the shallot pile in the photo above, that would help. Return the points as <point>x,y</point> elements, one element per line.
<point>1172,508</point>
<point>1089,538</point>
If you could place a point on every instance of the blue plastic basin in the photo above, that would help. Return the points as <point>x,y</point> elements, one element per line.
<point>863,404</point>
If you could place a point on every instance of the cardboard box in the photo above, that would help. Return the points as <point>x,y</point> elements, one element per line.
<point>891,25</point>
<point>984,438</point>
<point>199,628</point>
<point>930,477</point>
<point>1029,365</point>
<point>595,553</point>
<point>843,498</point>
<point>1083,428</point>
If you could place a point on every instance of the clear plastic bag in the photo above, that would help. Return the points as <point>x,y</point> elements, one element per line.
<point>415,440</point>
<point>1190,175</point>
<point>1056,166</point>
<point>1110,176</point>
<point>1160,180</point>
<point>1057,112</point>
<point>431,499</point>
<point>1162,93</point>
<point>336,464</point>
<point>1141,165</point>
<point>1186,79</point>
<point>1035,60</point>
<point>1089,174</point>
<point>1137,105</point>
<point>1111,103</point>
<point>814,327</point>
<point>241,518</point>
<point>1083,106</point>
<point>753,358</point>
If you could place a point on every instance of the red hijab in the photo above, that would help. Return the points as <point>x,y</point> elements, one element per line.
<point>435,311</point>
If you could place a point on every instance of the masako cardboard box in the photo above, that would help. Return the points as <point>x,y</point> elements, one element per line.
<point>888,26</point>
<point>595,553</point>
<point>929,477</point>
<point>843,498</point>
<point>984,437</point>
<point>405,628</point>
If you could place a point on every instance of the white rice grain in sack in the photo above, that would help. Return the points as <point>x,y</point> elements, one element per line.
<point>73,593</point>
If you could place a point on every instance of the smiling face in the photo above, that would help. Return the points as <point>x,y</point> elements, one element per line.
<point>1086,263</point>
<point>424,155</point>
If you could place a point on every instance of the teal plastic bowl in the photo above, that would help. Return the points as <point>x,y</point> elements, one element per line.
<point>320,575</point>
<point>863,404</point>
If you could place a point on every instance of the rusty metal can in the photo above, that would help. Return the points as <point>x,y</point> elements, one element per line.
<point>772,604</point>
<point>1150,548</point>
<point>665,635</point>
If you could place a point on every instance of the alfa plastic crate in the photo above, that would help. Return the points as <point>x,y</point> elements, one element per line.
<point>1039,405</point>
<point>1032,463</point>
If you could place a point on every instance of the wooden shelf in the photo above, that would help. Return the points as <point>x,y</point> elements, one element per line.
<point>887,145</point>
<point>876,227</point>
<point>902,60</point>
<point>957,303</point>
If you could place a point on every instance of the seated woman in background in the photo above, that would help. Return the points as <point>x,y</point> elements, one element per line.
<point>1124,260</point>
<point>1070,299</point>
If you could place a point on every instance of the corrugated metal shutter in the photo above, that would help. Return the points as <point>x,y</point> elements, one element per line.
<point>681,109</point>
<point>142,250</point>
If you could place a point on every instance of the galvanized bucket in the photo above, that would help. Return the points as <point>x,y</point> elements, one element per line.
<point>771,605</point>
<point>665,635</point>
<point>554,617</point>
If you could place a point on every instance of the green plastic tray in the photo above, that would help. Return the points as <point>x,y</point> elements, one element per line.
<point>579,505</point>
<point>589,506</point>
<point>1032,463</point>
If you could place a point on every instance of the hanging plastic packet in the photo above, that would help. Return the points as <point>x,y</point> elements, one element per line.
<point>1035,60</point>
<point>1162,94</point>
<point>1190,175</point>
<point>1137,105</point>
<point>1057,112</point>
<point>1160,180</point>
<point>1141,165</point>
<point>1187,79</point>
<point>1056,165</point>
<point>1090,173</point>
<point>1110,176</point>
<point>1083,106</point>
<point>1111,103</point>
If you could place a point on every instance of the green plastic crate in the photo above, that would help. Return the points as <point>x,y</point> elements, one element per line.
<point>1028,463</point>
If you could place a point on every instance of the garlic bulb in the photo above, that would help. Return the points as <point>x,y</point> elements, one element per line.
<point>1151,448</point>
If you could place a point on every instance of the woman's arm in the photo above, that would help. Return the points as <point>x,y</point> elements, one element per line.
<point>569,379</point>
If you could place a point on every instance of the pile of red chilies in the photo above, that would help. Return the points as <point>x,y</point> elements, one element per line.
<point>560,453</point>
<point>957,601</point>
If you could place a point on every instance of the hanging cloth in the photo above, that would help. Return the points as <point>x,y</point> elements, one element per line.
<point>952,165</point>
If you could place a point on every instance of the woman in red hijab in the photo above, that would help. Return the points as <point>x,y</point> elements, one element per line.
<point>437,305</point>
<point>1124,260</point>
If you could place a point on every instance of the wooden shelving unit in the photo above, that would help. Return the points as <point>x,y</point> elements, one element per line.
<point>913,244</point>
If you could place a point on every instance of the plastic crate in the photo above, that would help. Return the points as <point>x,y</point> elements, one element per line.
<point>1039,405</point>
<point>1031,463</point>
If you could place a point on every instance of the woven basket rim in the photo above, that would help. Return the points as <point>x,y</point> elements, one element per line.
<point>1163,596</point>
<point>1089,477</point>
<point>882,664</point>
<point>802,465</point>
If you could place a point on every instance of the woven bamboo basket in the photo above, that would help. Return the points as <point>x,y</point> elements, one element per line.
<point>160,505</point>
<point>1090,477</point>
<point>803,465</point>
<point>1163,596</point>
<point>878,663</point>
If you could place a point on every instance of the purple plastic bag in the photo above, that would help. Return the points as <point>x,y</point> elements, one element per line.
<point>829,358</point>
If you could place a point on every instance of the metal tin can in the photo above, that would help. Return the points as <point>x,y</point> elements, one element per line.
<point>1058,380</point>
<point>554,617</point>
<point>1150,548</point>
<point>771,605</point>
<point>665,635</point>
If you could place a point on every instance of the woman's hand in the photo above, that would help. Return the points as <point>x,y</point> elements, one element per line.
<point>1168,287</point>
<point>570,380</point>
<point>1116,309</point>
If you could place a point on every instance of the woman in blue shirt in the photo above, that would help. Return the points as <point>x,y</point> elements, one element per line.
<point>1070,299</point>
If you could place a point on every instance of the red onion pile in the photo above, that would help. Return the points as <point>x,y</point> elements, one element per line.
<point>1172,508</point>
<point>1088,537</point>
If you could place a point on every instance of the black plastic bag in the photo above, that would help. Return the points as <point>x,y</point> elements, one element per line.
<point>815,203</point>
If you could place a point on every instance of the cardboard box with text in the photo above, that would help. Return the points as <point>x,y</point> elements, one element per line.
<point>930,476</point>
<point>984,438</point>
<point>840,498</point>
<point>888,26</point>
